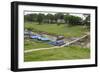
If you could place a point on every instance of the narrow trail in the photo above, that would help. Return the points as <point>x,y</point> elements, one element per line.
<point>40,49</point>
<point>67,44</point>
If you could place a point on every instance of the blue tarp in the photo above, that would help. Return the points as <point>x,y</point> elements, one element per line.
<point>34,37</point>
<point>56,43</point>
<point>44,39</point>
<point>39,38</point>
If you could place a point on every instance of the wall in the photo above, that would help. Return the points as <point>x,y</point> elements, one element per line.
<point>5,35</point>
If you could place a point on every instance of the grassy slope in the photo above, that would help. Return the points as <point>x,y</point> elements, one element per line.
<point>75,31</point>
<point>72,52</point>
<point>65,53</point>
<point>34,44</point>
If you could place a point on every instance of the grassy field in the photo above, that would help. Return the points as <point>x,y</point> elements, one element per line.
<point>65,53</point>
<point>75,31</point>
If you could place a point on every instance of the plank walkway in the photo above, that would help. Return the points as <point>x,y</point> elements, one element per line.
<point>67,44</point>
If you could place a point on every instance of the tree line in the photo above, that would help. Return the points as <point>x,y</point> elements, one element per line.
<point>58,18</point>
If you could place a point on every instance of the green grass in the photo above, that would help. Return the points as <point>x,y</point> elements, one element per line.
<point>65,53</point>
<point>73,31</point>
<point>34,44</point>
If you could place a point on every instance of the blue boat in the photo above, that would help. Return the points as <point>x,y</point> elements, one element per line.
<point>40,38</point>
<point>57,43</point>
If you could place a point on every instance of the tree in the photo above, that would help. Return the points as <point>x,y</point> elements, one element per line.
<point>66,18</point>
<point>55,18</point>
<point>49,18</point>
<point>86,21</point>
<point>40,18</point>
<point>34,17</point>
<point>59,18</point>
<point>72,20</point>
<point>30,17</point>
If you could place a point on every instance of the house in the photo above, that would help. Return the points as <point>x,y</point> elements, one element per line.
<point>60,21</point>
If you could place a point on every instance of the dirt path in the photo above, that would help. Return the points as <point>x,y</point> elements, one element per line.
<point>40,49</point>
